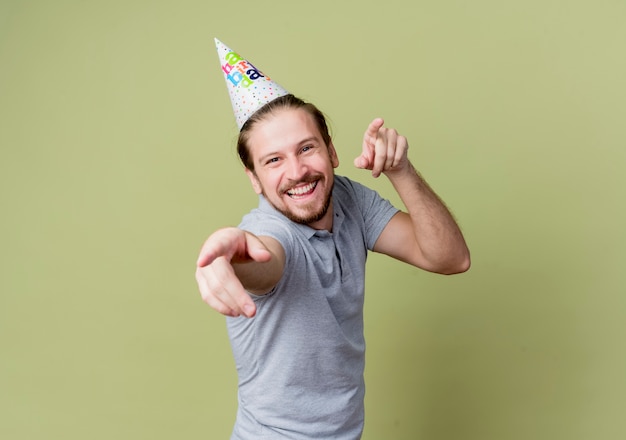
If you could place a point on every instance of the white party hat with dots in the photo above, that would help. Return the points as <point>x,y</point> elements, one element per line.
<point>248,87</point>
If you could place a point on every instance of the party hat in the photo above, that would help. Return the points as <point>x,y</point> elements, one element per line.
<point>248,87</point>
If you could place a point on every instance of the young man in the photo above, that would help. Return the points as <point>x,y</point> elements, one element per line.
<point>290,277</point>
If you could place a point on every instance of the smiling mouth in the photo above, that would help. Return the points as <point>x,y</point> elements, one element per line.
<point>302,191</point>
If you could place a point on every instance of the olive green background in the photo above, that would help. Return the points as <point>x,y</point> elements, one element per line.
<point>117,161</point>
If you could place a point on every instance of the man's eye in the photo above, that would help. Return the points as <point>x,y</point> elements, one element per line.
<point>307,148</point>
<point>272,160</point>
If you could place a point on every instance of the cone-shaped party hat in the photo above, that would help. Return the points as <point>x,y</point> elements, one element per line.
<point>248,87</point>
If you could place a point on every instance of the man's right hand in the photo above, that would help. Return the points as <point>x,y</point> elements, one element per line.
<point>220,286</point>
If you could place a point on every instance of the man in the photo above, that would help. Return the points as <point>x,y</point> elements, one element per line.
<point>290,277</point>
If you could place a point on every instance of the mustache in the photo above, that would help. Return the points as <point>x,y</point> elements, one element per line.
<point>303,181</point>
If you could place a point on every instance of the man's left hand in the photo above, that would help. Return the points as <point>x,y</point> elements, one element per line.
<point>384,150</point>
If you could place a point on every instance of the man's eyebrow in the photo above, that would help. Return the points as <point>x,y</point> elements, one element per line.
<point>309,139</point>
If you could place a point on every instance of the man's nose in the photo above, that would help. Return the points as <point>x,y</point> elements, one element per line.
<point>296,168</point>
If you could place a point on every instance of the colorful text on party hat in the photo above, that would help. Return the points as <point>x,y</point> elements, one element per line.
<point>239,71</point>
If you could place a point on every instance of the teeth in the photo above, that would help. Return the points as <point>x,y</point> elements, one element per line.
<point>302,190</point>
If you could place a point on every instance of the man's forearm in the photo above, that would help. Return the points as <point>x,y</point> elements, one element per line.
<point>436,232</point>
<point>259,277</point>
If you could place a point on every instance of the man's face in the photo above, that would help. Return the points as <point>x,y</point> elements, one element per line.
<point>293,167</point>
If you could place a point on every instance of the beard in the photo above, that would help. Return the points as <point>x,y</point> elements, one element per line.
<point>309,214</point>
<point>307,217</point>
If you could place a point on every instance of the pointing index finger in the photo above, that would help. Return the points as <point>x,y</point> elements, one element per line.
<point>218,244</point>
<point>372,131</point>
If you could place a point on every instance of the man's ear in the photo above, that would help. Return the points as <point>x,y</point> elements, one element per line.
<point>254,181</point>
<point>334,159</point>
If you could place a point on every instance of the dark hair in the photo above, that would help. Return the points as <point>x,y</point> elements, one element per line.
<point>281,103</point>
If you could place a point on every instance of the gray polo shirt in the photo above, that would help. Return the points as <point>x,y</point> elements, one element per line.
<point>300,360</point>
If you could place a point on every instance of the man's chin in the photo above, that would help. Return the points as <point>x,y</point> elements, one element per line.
<point>305,218</point>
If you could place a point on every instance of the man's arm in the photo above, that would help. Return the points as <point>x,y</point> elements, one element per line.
<point>233,262</point>
<point>428,236</point>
